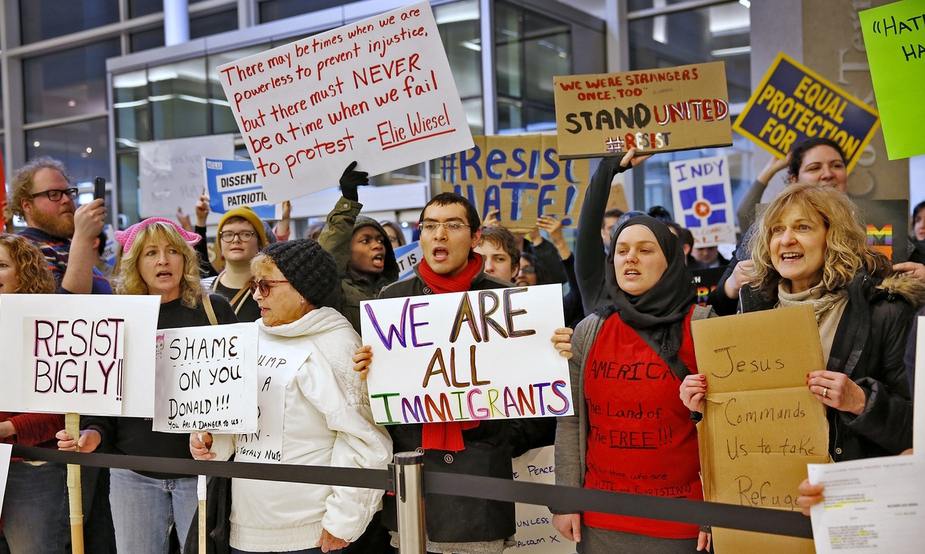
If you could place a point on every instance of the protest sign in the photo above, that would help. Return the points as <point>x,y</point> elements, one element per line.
<point>702,196</point>
<point>761,424</point>
<point>88,354</point>
<point>705,282</point>
<point>894,38</point>
<point>651,110</point>
<point>466,356</point>
<point>535,533</point>
<point>521,176</point>
<point>232,184</point>
<point>206,379</point>
<point>378,90</point>
<point>794,103</point>
<point>407,257</point>
<point>170,172</point>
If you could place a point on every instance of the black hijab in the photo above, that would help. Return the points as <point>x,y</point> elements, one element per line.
<point>658,314</point>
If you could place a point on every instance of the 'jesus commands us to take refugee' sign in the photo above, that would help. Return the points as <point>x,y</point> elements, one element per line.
<point>466,356</point>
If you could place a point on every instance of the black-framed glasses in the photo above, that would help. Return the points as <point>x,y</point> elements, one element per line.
<point>265,285</point>
<point>55,194</point>
<point>230,236</point>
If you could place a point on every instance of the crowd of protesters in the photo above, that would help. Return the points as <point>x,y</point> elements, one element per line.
<point>627,293</point>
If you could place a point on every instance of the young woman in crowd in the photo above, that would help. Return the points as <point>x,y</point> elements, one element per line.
<point>34,506</point>
<point>810,250</point>
<point>324,413</point>
<point>647,326</point>
<point>918,234</point>
<point>361,249</point>
<point>393,230</point>
<point>157,258</point>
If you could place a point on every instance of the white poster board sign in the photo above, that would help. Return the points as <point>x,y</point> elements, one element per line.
<point>378,90</point>
<point>466,356</point>
<point>206,379</point>
<point>171,172</point>
<point>89,354</point>
<point>407,257</point>
<point>535,533</point>
<point>702,196</point>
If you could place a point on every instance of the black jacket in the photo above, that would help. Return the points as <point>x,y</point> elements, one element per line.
<point>488,452</point>
<point>869,345</point>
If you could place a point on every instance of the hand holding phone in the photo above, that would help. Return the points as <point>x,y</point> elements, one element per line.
<point>99,188</point>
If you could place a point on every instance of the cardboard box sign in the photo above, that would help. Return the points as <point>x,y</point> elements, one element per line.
<point>652,110</point>
<point>761,424</point>
<point>794,103</point>
<point>521,176</point>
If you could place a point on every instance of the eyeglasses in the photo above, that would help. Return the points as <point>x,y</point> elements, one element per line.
<point>230,236</point>
<point>264,285</point>
<point>55,194</point>
<point>431,227</point>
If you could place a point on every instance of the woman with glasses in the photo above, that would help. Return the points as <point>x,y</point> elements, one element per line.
<point>157,257</point>
<point>322,411</point>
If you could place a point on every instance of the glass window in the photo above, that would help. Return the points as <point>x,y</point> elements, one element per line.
<point>81,146</point>
<point>127,169</point>
<point>132,108</point>
<point>271,10</point>
<point>213,23</point>
<point>145,40</point>
<point>178,99</point>
<point>44,19</point>
<point>460,32</point>
<point>67,83</point>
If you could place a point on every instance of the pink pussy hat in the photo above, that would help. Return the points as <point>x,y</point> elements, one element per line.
<point>127,237</point>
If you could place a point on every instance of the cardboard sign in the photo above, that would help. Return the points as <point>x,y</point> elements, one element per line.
<point>521,176</point>
<point>705,282</point>
<point>794,103</point>
<point>378,90</point>
<point>894,37</point>
<point>652,110</point>
<point>407,257</point>
<point>170,172</point>
<point>205,379</point>
<point>466,356</point>
<point>761,424</point>
<point>232,184</point>
<point>89,354</point>
<point>535,533</point>
<point>702,195</point>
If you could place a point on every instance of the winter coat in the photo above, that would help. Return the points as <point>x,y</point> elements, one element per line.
<point>489,450</point>
<point>869,345</point>
<point>343,221</point>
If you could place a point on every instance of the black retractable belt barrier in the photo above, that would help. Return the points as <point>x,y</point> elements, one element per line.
<point>567,499</point>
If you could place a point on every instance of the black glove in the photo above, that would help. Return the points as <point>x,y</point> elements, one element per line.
<point>350,180</point>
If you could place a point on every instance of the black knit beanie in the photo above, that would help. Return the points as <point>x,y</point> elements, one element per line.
<point>308,268</point>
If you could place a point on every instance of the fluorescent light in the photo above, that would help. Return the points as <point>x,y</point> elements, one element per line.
<point>734,51</point>
<point>746,3</point>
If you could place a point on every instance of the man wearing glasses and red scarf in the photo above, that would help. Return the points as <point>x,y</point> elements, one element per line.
<point>66,234</point>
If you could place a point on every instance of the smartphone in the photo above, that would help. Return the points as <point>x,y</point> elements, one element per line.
<point>99,188</point>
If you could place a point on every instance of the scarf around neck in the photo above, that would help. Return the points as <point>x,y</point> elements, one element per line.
<point>448,435</point>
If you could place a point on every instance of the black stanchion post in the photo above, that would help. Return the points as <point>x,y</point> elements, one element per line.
<point>408,471</point>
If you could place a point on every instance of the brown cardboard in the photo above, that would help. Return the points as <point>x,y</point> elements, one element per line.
<point>652,110</point>
<point>521,176</point>
<point>617,198</point>
<point>761,424</point>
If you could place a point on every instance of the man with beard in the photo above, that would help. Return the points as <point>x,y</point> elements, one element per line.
<point>66,235</point>
<point>450,232</point>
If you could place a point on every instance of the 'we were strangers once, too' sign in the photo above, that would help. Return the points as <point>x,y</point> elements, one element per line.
<point>466,356</point>
<point>379,90</point>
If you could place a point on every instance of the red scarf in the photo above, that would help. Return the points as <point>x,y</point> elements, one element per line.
<point>448,436</point>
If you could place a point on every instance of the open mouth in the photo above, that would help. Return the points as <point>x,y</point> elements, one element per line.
<point>163,275</point>
<point>632,272</point>
<point>441,254</point>
<point>791,256</point>
<point>378,260</point>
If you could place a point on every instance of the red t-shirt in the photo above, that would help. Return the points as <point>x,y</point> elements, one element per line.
<point>641,438</point>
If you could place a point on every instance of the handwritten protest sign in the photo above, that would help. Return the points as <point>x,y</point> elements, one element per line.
<point>761,424</point>
<point>702,196</point>
<point>651,110</point>
<point>170,172</point>
<point>521,176</point>
<point>89,354</point>
<point>466,356</point>
<point>232,184</point>
<point>407,257</point>
<point>894,37</point>
<point>379,90</point>
<point>206,379</point>
<point>794,103</point>
<point>535,533</point>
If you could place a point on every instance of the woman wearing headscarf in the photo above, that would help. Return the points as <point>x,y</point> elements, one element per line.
<point>157,257</point>
<point>628,360</point>
<point>320,403</point>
